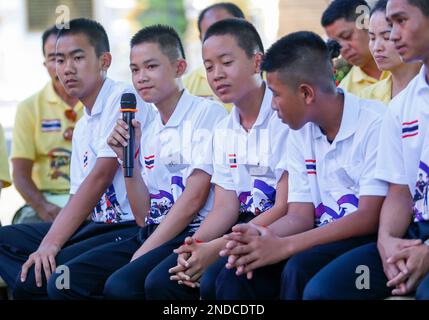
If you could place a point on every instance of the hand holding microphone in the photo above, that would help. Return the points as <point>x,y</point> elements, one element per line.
<point>126,132</point>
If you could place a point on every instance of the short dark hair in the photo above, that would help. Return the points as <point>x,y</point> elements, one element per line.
<point>301,57</point>
<point>423,5</point>
<point>342,9</point>
<point>46,34</point>
<point>93,30</point>
<point>380,6</point>
<point>243,31</point>
<point>233,9</point>
<point>166,37</point>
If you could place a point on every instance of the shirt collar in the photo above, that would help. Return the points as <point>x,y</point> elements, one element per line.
<point>422,84</point>
<point>349,120</point>
<point>358,75</point>
<point>53,97</point>
<point>182,107</point>
<point>264,112</point>
<point>101,97</point>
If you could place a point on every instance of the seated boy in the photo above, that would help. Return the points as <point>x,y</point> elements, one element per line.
<point>334,200</point>
<point>29,253</point>
<point>170,191</point>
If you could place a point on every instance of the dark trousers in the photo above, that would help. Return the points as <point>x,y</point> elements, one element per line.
<point>284,280</point>
<point>106,271</point>
<point>17,242</point>
<point>337,281</point>
<point>158,285</point>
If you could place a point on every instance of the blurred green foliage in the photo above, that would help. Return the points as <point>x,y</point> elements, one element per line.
<point>170,12</point>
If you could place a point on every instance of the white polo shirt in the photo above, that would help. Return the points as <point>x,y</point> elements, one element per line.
<point>334,175</point>
<point>251,163</point>
<point>403,156</point>
<point>171,152</point>
<point>90,143</point>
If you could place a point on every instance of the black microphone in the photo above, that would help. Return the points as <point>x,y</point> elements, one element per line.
<point>128,108</point>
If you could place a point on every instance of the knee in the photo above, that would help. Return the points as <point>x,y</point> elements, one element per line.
<point>7,234</point>
<point>156,286</point>
<point>118,288</point>
<point>314,290</point>
<point>56,289</point>
<point>25,290</point>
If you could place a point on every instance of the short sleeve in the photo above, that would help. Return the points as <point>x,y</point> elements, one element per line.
<point>389,164</point>
<point>202,137</point>
<point>299,184</point>
<point>369,185</point>
<point>75,172</point>
<point>23,141</point>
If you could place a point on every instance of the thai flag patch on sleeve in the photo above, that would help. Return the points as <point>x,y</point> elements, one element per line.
<point>149,162</point>
<point>310,166</point>
<point>410,129</point>
<point>232,160</point>
<point>51,125</point>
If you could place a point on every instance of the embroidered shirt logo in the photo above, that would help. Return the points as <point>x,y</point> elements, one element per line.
<point>310,166</point>
<point>149,162</point>
<point>51,125</point>
<point>410,129</point>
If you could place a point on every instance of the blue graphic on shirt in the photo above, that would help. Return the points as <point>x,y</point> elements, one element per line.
<point>108,209</point>
<point>346,204</point>
<point>420,197</point>
<point>259,200</point>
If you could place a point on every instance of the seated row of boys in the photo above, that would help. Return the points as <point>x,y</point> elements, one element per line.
<point>41,148</point>
<point>313,183</point>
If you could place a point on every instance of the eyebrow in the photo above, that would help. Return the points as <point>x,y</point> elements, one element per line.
<point>396,15</point>
<point>150,60</point>
<point>341,35</point>
<point>73,52</point>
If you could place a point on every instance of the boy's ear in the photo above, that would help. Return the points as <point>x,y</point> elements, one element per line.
<point>181,67</point>
<point>105,60</point>
<point>258,61</point>
<point>307,93</point>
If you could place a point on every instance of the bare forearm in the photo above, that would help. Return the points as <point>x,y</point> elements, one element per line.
<point>395,215</point>
<point>29,191</point>
<point>291,224</point>
<point>218,222</point>
<point>138,196</point>
<point>77,209</point>
<point>270,216</point>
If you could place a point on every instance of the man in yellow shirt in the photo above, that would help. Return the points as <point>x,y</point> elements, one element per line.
<point>41,145</point>
<point>4,162</point>
<point>196,82</point>
<point>343,21</point>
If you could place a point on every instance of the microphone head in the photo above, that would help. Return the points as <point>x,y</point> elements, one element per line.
<point>128,101</point>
